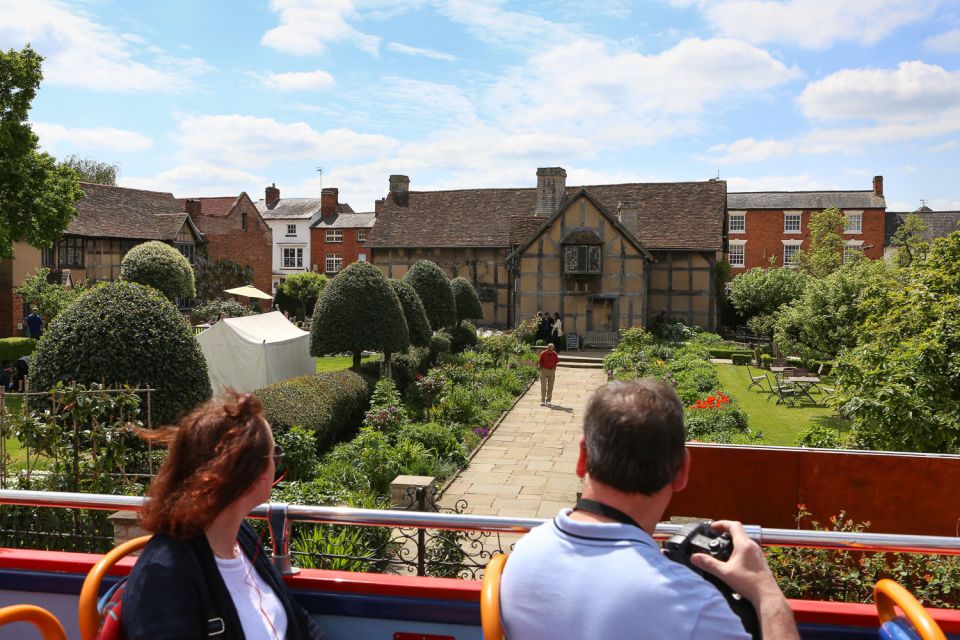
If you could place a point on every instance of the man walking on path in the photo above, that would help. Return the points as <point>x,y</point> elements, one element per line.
<point>548,373</point>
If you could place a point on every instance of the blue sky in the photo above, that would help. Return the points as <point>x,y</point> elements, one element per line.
<point>216,97</point>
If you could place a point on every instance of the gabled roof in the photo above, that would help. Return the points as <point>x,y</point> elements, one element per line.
<point>346,221</point>
<point>118,212</point>
<point>672,215</point>
<point>806,200</point>
<point>522,227</point>
<point>218,207</point>
<point>296,208</point>
<point>939,223</point>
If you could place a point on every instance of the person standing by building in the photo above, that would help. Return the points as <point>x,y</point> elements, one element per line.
<point>34,324</point>
<point>548,373</point>
<point>556,332</point>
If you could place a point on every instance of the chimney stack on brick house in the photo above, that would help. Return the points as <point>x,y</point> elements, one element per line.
<point>329,197</point>
<point>271,196</point>
<point>551,186</point>
<point>628,211</point>
<point>192,207</point>
<point>400,189</point>
<point>878,186</point>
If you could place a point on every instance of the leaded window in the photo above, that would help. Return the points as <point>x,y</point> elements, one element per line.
<point>582,259</point>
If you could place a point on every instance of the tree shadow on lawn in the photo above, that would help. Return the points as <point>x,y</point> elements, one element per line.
<point>837,423</point>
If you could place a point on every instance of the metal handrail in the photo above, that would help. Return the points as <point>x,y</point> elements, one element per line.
<point>837,540</point>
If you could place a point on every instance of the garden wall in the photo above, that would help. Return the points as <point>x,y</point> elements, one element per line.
<point>897,492</point>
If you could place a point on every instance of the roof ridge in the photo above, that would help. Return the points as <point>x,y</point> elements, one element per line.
<point>737,193</point>
<point>114,186</point>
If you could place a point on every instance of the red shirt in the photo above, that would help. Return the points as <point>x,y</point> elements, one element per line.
<point>549,359</point>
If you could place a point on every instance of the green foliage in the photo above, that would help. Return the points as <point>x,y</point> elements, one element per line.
<point>439,346</point>
<point>212,277</point>
<point>526,331</point>
<point>124,333</point>
<point>37,195</point>
<point>330,405</point>
<point>825,253</point>
<point>418,325</point>
<point>299,452</point>
<point>358,311</point>
<point>15,348</point>
<point>406,366</point>
<point>820,436</point>
<point>824,319</point>
<point>465,300</point>
<point>386,408</point>
<point>431,284</point>
<point>500,347</point>
<point>209,311</point>
<point>463,336</point>
<point>49,299</point>
<point>158,265</point>
<point>761,292</point>
<point>910,241</point>
<point>305,287</point>
<point>742,358</point>
<point>438,439</point>
<point>378,461</point>
<point>89,170</point>
<point>901,383</point>
<point>673,330</point>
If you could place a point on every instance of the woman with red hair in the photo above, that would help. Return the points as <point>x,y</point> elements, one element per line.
<point>204,573</point>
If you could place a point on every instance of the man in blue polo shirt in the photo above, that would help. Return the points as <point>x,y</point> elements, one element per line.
<point>596,572</point>
<point>35,324</point>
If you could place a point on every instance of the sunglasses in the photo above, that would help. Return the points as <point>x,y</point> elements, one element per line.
<point>277,455</point>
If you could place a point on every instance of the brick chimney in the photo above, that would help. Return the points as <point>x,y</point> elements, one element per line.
<point>328,201</point>
<point>271,195</point>
<point>192,207</point>
<point>377,205</point>
<point>400,189</point>
<point>551,185</point>
<point>878,186</point>
<point>628,211</point>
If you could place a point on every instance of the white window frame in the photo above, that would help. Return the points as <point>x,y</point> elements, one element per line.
<point>334,236</point>
<point>293,261</point>
<point>851,218</point>
<point>361,235</point>
<point>795,247</point>
<point>333,262</point>
<point>741,216</point>
<point>741,246</point>
<point>291,230</point>
<point>849,247</point>
<point>791,215</point>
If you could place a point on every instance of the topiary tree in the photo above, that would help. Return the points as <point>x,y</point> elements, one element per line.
<point>430,283</point>
<point>123,333</point>
<point>158,265</point>
<point>418,326</point>
<point>466,300</point>
<point>358,311</point>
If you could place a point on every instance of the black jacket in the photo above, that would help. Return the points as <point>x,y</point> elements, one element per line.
<point>175,586</point>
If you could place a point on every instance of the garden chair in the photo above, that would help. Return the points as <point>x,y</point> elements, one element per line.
<point>784,392</point>
<point>757,379</point>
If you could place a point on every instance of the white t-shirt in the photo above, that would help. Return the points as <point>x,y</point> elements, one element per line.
<point>573,580</point>
<point>261,613</point>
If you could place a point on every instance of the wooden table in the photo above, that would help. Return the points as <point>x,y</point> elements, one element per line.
<point>804,384</point>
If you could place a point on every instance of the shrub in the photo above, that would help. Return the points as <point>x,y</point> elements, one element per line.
<point>436,438</point>
<point>439,346</point>
<point>358,311</point>
<point>125,333</point>
<point>158,265</point>
<point>465,300</point>
<point>304,287</point>
<point>418,326</point>
<point>463,336</point>
<point>15,348</point>
<point>714,418</point>
<point>765,360</point>
<point>209,311</point>
<point>49,299</point>
<point>299,452</point>
<point>377,461</point>
<point>821,437</point>
<point>407,365</point>
<point>741,359</point>
<point>330,404</point>
<point>386,409</point>
<point>430,283</point>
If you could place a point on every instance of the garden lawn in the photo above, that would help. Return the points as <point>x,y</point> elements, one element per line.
<point>336,363</point>
<point>779,423</point>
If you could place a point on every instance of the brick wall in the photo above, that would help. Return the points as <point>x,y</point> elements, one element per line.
<point>764,235</point>
<point>350,248</point>
<point>227,240</point>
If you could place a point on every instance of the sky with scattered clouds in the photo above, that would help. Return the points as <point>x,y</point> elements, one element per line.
<point>219,96</point>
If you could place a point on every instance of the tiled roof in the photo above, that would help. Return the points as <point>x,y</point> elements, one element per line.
<point>296,208</point>
<point>582,235</point>
<point>118,212</point>
<point>522,227</point>
<point>678,215</point>
<point>219,207</point>
<point>939,223</point>
<point>807,200</point>
<point>346,221</point>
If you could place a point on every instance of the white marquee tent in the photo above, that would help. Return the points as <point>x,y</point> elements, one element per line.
<point>251,352</point>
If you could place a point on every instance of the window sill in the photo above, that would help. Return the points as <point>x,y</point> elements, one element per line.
<point>737,233</point>
<point>853,233</point>
<point>792,233</point>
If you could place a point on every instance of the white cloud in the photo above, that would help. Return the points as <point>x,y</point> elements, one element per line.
<point>949,145</point>
<point>947,42</point>
<point>748,150</point>
<point>54,137</point>
<point>308,26</point>
<point>777,183</point>
<point>489,22</point>
<point>81,52</point>
<point>423,53</point>
<point>944,204</point>
<point>911,168</point>
<point>199,179</point>
<point>299,81</point>
<point>811,24</point>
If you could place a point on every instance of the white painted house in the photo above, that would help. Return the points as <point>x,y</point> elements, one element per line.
<point>290,219</point>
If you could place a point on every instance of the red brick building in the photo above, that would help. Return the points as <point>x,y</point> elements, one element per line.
<point>772,226</point>
<point>235,231</point>
<point>337,237</point>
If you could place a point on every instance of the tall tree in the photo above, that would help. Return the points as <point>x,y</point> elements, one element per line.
<point>757,294</point>
<point>433,287</point>
<point>305,287</point>
<point>825,254</point>
<point>214,276</point>
<point>418,325</point>
<point>89,170</point>
<point>910,240</point>
<point>37,195</point>
<point>466,299</point>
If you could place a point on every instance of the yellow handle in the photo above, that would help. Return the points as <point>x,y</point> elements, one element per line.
<point>888,594</point>
<point>50,628</point>
<point>490,599</point>
<point>87,611</point>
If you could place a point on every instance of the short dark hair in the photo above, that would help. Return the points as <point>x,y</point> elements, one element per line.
<point>634,435</point>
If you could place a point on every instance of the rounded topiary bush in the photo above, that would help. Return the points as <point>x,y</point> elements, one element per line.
<point>431,284</point>
<point>125,333</point>
<point>158,265</point>
<point>463,336</point>
<point>466,299</point>
<point>418,326</point>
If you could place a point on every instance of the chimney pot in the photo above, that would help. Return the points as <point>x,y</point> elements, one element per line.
<point>878,186</point>
<point>628,211</point>
<point>329,198</point>
<point>271,196</point>
<point>551,188</point>
<point>400,189</point>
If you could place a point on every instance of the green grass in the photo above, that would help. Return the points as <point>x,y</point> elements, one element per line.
<point>779,423</point>
<point>336,363</point>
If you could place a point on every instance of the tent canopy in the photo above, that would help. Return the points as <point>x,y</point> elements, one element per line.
<point>249,291</point>
<point>251,352</point>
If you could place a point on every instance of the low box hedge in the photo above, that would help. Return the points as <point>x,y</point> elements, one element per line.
<point>741,359</point>
<point>15,348</point>
<point>727,354</point>
<point>331,404</point>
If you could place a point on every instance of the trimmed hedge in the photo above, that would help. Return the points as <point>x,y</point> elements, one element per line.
<point>727,354</point>
<point>15,348</point>
<point>465,299</point>
<point>462,336</point>
<point>418,326</point>
<point>431,284</point>
<point>209,311</point>
<point>158,265</point>
<point>331,404</point>
<point>742,359</point>
<point>125,333</point>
